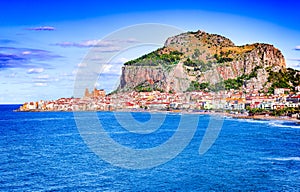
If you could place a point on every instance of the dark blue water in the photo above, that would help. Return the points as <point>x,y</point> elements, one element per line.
<point>45,152</point>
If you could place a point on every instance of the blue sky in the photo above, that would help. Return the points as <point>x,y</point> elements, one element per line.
<point>44,43</point>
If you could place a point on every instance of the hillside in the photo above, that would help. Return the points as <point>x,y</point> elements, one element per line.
<point>199,60</point>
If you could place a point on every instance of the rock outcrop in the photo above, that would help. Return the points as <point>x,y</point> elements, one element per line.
<point>200,57</point>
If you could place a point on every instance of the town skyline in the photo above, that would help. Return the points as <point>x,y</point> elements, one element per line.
<point>283,103</point>
<point>43,45</point>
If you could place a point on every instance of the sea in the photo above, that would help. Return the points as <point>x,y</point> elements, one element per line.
<point>47,151</point>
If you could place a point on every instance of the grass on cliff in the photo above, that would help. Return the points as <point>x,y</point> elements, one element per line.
<point>283,79</point>
<point>238,50</point>
<point>198,65</point>
<point>228,84</point>
<point>196,86</point>
<point>156,58</point>
<point>146,87</point>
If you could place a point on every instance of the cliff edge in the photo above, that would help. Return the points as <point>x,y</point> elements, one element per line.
<point>199,60</point>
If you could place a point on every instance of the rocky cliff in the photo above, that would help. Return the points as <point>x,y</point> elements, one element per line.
<point>199,60</point>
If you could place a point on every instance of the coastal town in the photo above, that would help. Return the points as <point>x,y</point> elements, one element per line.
<point>231,101</point>
<point>196,72</point>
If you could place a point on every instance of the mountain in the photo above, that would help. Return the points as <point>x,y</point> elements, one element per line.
<point>199,60</point>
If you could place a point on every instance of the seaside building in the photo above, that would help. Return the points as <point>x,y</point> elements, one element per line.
<point>94,94</point>
<point>293,99</point>
<point>231,100</point>
<point>281,91</point>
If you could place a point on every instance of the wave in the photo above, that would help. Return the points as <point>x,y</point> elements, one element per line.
<point>249,120</point>
<point>36,119</point>
<point>284,124</point>
<point>46,119</point>
<point>284,159</point>
<point>270,122</point>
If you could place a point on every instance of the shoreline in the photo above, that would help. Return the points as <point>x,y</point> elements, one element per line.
<point>225,114</point>
<point>267,118</point>
<point>254,117</point>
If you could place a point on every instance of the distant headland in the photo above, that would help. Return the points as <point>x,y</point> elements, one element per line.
<point>197,72</point>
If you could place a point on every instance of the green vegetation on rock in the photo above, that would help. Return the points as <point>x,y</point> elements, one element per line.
<point>146,87</point>
<point>283,79</point>
<point>198,65</point>
<point>238,82</point>
<point>196,86</point>
<point>155,58</point>
<point>222,58</point>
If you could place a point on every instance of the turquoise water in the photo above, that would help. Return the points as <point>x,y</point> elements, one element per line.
<point>45,152</point>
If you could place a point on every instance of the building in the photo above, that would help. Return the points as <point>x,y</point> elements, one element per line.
<point>281,91</point>
<point>293,99</point>
<point>94,94</point>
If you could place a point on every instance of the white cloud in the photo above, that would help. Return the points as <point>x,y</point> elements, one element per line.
<point>35,70</point>
<point>41,84</point>
<point>115,66</point>
<point>66,74</point>
<point>88,43</point>
<point>294,65</point>
<point>107,49</point>
<point>96,84</point>
<point>122,60</point>
<point>26,52</point>
<point>101,45</point>
<point>96,43</point>
<point>75,71</point>
<point>43,77</point>
<point>12,75</point>
<point>106,68</point>
<point>82,64</point>
<point>42,28</point>
<point>297,48</point>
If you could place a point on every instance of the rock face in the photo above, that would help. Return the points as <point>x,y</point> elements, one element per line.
<point>132,76</point>
<point>203,58</point>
